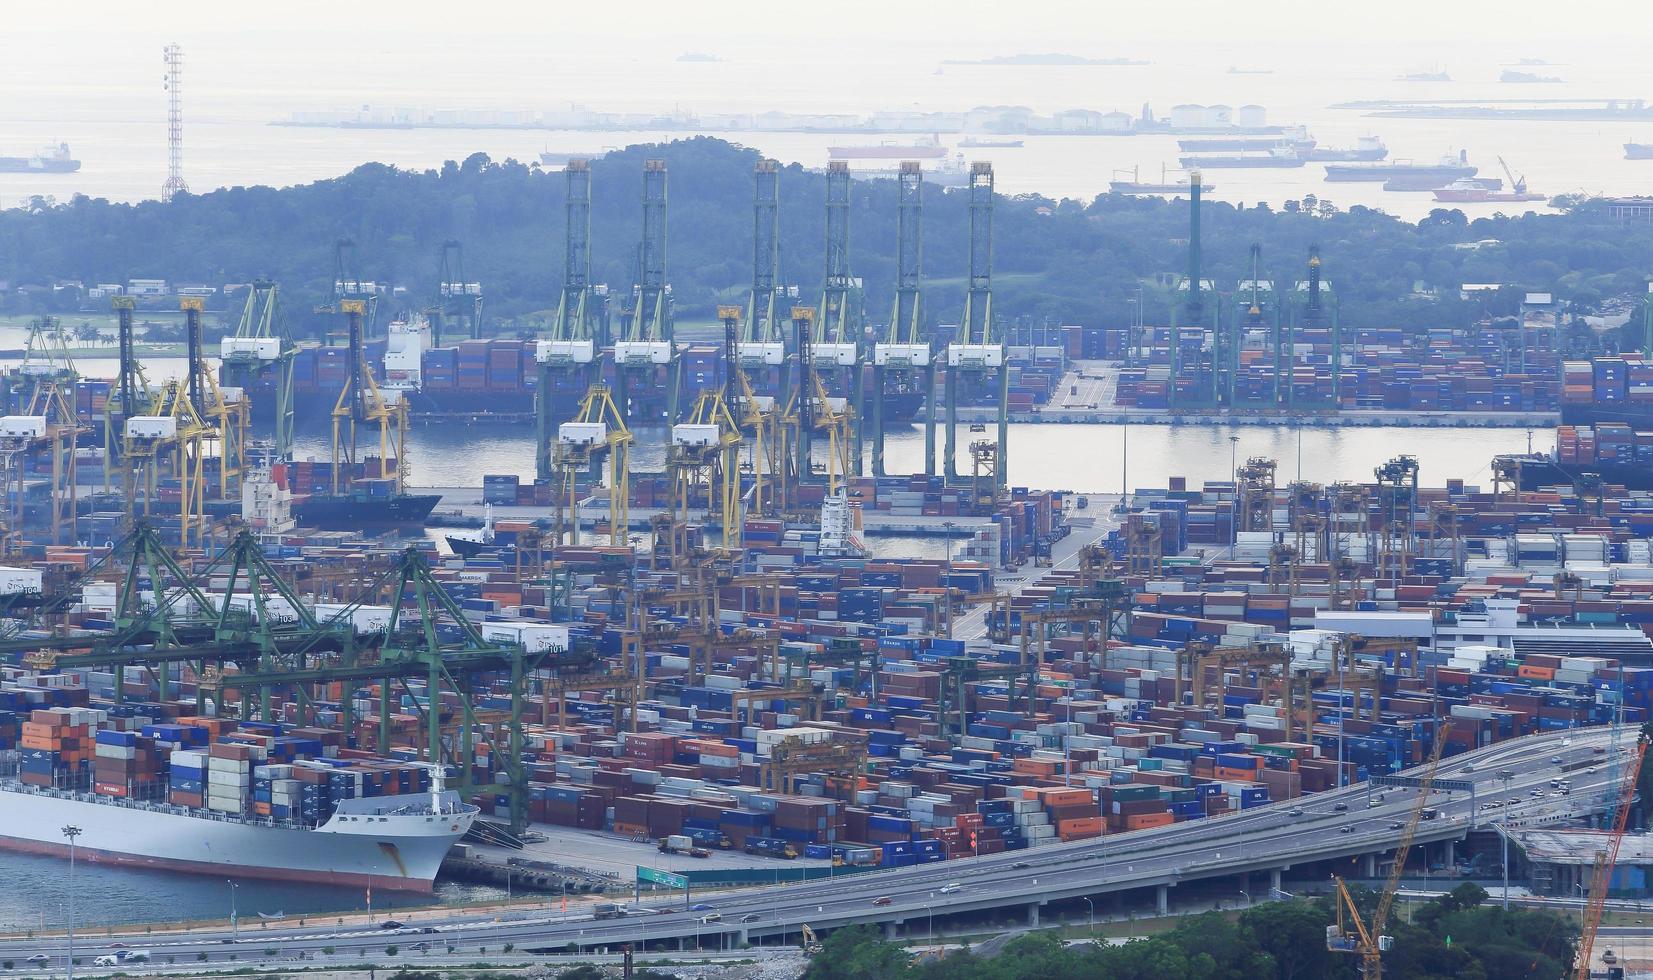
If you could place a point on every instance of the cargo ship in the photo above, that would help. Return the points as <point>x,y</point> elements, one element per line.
<point>51,160</point>
<point>927,149</point>
<point>1365,148</point>
<point>1274,157</point>
<point>1447,169</point>
<point>984,143</point>
<point>1638,151</point>
<point>1472,190</point>
<point>1138,186</point>
<point>394,842</point>
<point>363,510</point>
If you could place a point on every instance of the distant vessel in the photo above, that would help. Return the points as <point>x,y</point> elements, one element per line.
<point>559,158</point>
<point>1471,189</point>
<point>1433,182</point>
<point>928,149</point>
<point>1136,186</point>
<point>1638,151</point>
<point>979,142</point>
<point>1236,70</point>
<point>1297,138</point>
<point>1425,76</point>
<point>1365,148</point>
<point>1447,168</point>
<point>1275,157</point>
<point>51,160</point>
<point>1527,76</point>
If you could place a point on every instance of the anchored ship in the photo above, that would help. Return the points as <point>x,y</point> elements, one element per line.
<point>1447,169</point>
<point>356,510</point>
<point>394,842</point>
<point>924,149</point>
<point>52,160</point>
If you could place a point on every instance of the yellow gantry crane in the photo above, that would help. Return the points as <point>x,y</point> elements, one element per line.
<point>758,416</point>
<point>362,403</point>
<point>1369,941</point>
<point>595,428</point>
<point>704,458</point>
<point>172,432</point>
<point>223,411</point>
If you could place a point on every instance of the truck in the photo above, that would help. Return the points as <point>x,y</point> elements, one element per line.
<point>607,910</point>
<point>682,844</point>
<point>771,847</point>
<point>711,838</point>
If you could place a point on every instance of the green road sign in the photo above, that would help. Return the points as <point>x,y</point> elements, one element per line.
<point>661,877</point>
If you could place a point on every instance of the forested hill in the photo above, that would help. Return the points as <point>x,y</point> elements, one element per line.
<point>1070,261</point>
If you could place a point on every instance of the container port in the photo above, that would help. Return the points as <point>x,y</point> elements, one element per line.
<point>223,659</point>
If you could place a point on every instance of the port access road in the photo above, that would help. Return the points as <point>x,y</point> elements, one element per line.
<point>1357,825</point>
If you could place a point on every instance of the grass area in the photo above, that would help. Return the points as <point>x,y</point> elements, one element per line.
<point>1110,929</point>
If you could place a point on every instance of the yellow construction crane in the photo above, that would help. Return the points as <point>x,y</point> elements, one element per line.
<point>597,426</point>
<point>1369,941</point>
<point>1601,874</point>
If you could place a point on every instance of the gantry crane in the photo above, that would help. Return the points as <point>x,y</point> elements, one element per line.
<point>760,417</point>
<point>262,347</point>
<point>580,330</point>
<point>1601,875</point>
<point>362,403</point>
<point>223,411</point>
<point>456,299</point>
<point>174,432</point>
<point>703,462</point>
<point>597,429</point>
<point>647,348</point>
<point>42,437</point>
<point>837,348</point>
<point>811,409</point>
<point>978,352</point>
<point>904,354</point>
<point>1369,940</point>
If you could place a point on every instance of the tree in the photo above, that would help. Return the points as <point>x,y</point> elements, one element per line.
<point>1294,935</point>
<point>857,953</point>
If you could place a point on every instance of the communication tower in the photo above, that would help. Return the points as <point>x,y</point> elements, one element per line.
<point>174,57</point>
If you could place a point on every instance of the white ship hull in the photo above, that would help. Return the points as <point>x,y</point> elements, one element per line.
<point>362,845</point>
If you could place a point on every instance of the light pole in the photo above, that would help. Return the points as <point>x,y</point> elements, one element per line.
<point>1091,910</point>
<point>235,923</point>
<point>947,585</point>
<point>1233,471</point>
<point>71,832</point>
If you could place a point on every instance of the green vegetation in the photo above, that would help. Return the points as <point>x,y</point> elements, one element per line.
<point>1457,936</point>
<point>1068,260</point>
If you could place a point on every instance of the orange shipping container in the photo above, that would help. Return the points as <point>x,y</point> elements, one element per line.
<point>1143,821</point>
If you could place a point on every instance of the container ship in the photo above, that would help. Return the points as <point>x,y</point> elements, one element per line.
<point>984,143</point>
<point>1447,169</point>
<point>52,160</point>
<point>201,797</point>
<point>928,149</point>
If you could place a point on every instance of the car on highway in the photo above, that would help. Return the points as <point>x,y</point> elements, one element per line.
<point>951,887</point>
<point>882,900</point>
<point>1020,866</point>
<point>429,930</point>
<point>1346,829</point>
<point>701,907</point>
<point>750,917</point>
<point>1340,807</point>
<point>710,918</point>
<point>1295,811</point>
<point>1555,760</point>
<point>40,958</point>
<point>392,924</point>
<point>1397,825</point>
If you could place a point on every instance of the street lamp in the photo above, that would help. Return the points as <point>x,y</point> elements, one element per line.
<point>947,585</point>
<point>71,832</point>
<point>1233,472</point>
<point>1092,913</point>
<point>235,926</point>
<point>930,925</point>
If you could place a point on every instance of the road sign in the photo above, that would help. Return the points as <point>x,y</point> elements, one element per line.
<point>1415,782</point>
<point>661,877</point>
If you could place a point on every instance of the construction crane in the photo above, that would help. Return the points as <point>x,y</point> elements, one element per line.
<point>1601,875</point>
<point>1517,184</point>
<point>1369,940</point>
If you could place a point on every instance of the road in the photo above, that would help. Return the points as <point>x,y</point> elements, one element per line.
<point>1267,838</point>
<point>1089,526</point>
